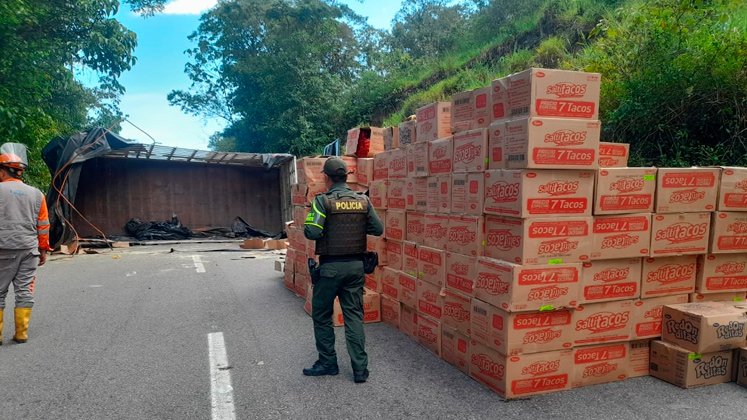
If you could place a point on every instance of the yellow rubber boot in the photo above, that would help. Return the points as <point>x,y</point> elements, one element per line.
<point>23,315</point>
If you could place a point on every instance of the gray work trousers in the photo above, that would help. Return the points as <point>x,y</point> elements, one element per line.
<point>18,266</point>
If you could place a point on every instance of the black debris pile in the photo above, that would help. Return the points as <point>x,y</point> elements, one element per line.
<point>168,230</point>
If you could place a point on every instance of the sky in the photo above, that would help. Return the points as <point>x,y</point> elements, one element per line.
<point>162,42</point>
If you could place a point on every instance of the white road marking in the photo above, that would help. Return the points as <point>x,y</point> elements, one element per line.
<point>220,379</point>
<point>198,264</point>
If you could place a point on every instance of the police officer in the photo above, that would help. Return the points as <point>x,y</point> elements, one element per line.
<point>339,221</point>
<point>24,236</point>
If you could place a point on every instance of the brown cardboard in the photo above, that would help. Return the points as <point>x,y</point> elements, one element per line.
<point>499,99</point>
<point>436,230</point>
<point>364,142</point>
<point>461,111</point>
<point>408,320</point>
<point>554,93</point>
<point>605,322</point>
<point>443,194</point>
<point>718,297</point>
<point>680,234</point>
<point>352,164</point>
<point>638,358</point>
<point>461,273</point>
<point>373,280</point>
<point>538,241</point>
<point>309,170</point>
<point>371,307</point>
<point>377,191</point>
<point>467,193</point>
<point>456,311</point>
<point>434,122</point>
<point>686,189</point>
<point>600,364</point>
<point>613,155</point>
<point>728,233</point>
<point>470,151</point>
<point>514,287</point>
<point>621,236</point>
<point>624,190</point>
<point>481,107</point>
<point>537,193</point>
<point>647,315</point>
<point>410,194</point>
<point>551,143</point>
<point>394,255</point>
<point>740,356</point>
<point>390,283</point>
<point>455,348</point>
<point>668,276</point>
<point>421,194</point>
<point>466,235</point>
<point>430,300</point>
<point>408,289</point>
<point>377,244</point>
<point>521,376</point>
<point>428,333</point>
<point>390,311</point>
<point>396,223</point>
<point>397,164</point>
<point>608,280</point>
<point>704,327</point>
<point>432,202</point>
<point>520,332</point>
<point>440,155</point>
<point>407,133</point>
<point>432,265</point>
<point>391,138</point>
<point>496,135</point>
<point>415,227</point>
<point>381,166</point>
<point>732,190</point>
<point>719,273</point>
<point>420,153</point>
<point>458,193</point>
<point>686,369</point>
<point>410,259</point>
<point>396,197</point>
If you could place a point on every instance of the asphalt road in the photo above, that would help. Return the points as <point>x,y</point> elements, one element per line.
<point>124,334</point>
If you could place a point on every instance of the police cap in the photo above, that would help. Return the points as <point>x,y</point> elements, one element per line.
<point>335,166</point>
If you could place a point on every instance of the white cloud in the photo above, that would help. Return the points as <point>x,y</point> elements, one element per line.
<point>188,7</point>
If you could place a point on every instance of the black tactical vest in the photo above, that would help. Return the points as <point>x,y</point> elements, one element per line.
<point>345,224</point>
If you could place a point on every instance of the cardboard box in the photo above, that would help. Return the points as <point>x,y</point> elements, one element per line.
<point>680,234</point>
<point>536,193</point>
<point>705,327</point>
<point>421,194</point>
<point>432,265</point>
<point>520,333</point>
<point>436,230</point>
<point>440,155</point>
<point>718,297</point>
<point>410,259</point>
<point>395,195</point>
<point>364,142</point>
<point>719,273</point>
<point>625,190</point>
<point>521,376</point>
<point>467,193</point>
<point>686,189</point>
<point>408,289</point>
<point>538,241</point>
<point>410,194</point>
<point>456,311</point>
<point>408,320</point>
<point>668,276</point>
<point>420,153</point>
<point>606,322</point>
<point>415,227</point>
<point>461,111</point>
<point>407,133</point>
<point>461,272</point>
<point>430,299</point>
<point>741,359</point>
<point>499,99</point>
<point>397,164</point>
<point>455,348</point>
<point>514,287</point>
<point>608,280</point>
<point>352,164</point>
<point>613,155</point>
<point>299,215</point>
<point>377,191</point>
<point>481,107</point>
<point>390,283</point>
<point>381,214</point>
<point>732,190</point>
<point>686,369</point>
<point>647,316</point>
<point>470,151</point>
<point>428,333</point>
<point>371,307</point>
<point>458,193</point>
<point>390,311</point>
<point>309,170</point>
<point>381,166</point>
<point>728,233</point>
<point>496,135</point>
<point>432,203</point>
<point>391,138</point>
<point>434,122</point>
<point>396,223</point>
<point>377,244</point>
<point>394,255</point>
<point>621,236</point>
<point>551,143</point>
<point>600,364</point>
<point>638,358</point>
<point>554,93</point>
<point>303,194</point>
<point>466,235</point>
<point>373,280</point>
<point>443,194</point>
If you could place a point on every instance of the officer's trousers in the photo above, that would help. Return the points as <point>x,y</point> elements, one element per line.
<point>18,267</point>
<point>343,279</point>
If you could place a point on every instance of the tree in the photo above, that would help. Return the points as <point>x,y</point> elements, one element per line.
<point>428,28</point>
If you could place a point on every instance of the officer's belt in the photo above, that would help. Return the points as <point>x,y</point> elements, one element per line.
<point>340,258</point>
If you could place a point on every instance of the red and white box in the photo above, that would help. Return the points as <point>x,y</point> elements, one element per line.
<point>373,280</point>
<point>467,193</point>
<point>521,376</point>
<point>377,191</point>
<point>420,194</point>
<point>538,241</point>
<point>365,170</point>
<point>436,230</point>
<point>420,153</point>
<point>396,197</point>
<point>639,358</point>
<point>410,258</point>
<point>624,190</point>
<point>461,273</point>
<point>352,164</point>
<point>600,364</point>
<point>396,223</point>
<point>513,333</point>
<point>536,193</point>
<point>408,289</point>
<point>444,194</point>
<point>552,143</point>
<point>499,99</point>
<point>394,255</point>
<point>432,202</point>
<point>410,194</point>
<point>381,165</point>
<point>428,333</point>
<point>461,111</point>
<point>407,133</point>
<point>718,297</point>
<point>415,227</point>
<point>680,234</point>
<point>686,189</point>
<point>377,244</point>
<point>391,138</point>
<point>364,142</point>
<point>496,137</point>
<point>408,321</point>
<point>466,235</point>
<point>608,280</point>
<point>455,348</point>
<point>720,273</point>
<point>432,265</point>
<point>621,236</point>
<point>554,93</point>
<point>440,155</point>
<point>514,287</point>
<point>668,276</point>
<point>431,300</point>
<point>390,283</point>
<point>613,155</point>
<point>481,107</point>
<point>470,151</point>
<point>390,311</point>
<point>309,170</point>
<point>647,315</point>
<point>732,191</point>
<point>456,311</point>
<point>397,163</point>
<point>606,322</point>
<point>728,233</point>
<point>434,122</point>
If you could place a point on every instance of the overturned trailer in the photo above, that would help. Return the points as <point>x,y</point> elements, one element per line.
<point>100,181</point>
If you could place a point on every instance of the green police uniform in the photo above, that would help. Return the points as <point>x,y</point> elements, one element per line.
<point>339,221</point>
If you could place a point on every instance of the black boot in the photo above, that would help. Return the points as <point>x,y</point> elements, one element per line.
<point>319,370</point>
<point>360,376</point>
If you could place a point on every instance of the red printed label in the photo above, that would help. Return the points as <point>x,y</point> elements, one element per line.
<point>564,108</point>
<point>620,224</point>
<point>691,180</point>
<point>626,202</point>
<point>553,156</point>
<point>558,229</point>
<point>610,291</point>
<point>546,383</point>
<point>548,276</point>
<point>557,205</point>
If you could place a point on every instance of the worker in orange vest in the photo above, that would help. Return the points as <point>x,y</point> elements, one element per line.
<point>24,236</point>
